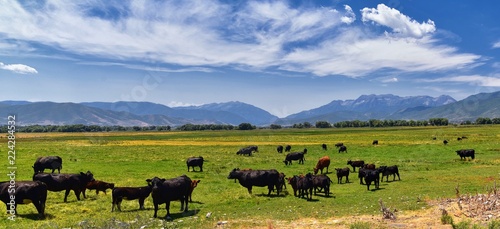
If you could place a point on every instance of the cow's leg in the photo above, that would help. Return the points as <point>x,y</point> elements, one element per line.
<point>186,201</point>
<point>250,190</point>
<point>141,203</point>
<point>346,179</point>
<point>167,206</point>
<point>201,168</point>
<point>78,195</point>
<point>119,204</point>
<point>156,210</point>
<point>66,195</point>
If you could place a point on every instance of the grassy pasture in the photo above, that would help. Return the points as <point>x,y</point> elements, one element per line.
<point>429,170</point>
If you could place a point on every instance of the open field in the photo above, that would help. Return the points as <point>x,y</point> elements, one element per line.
<point>429,171</point>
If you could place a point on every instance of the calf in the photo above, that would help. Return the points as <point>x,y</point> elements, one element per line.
<point>323,162</point>
<point>288,148</point>
<point>50,162</point>
<point>372,176</point>
<point>195,161</point>
<point>302,184</point>
<point>324,147</point>
<point>292,181</point>
<point>130,193</point>
<point>23,192</point>
<point>194,184</point>
<point>375,142</point>
<point>281,181</point>
<point>279,149</point>
<point>342,172</point>
<point>322,182</point>
<point>296,156</point>
<point>445,141</point>
<point>464,153</point>
<point>355,164</point>
<point>389,170</point>
<point>339,144</point>
<point>98,186</point>
<point>260,178</point>
<point>68,182</point>
<point>342,149</point>
<point>166,190</point>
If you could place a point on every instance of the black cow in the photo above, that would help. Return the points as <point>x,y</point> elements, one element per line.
<point>288,148</point>
<point>464,153</point>
<point>295,156</point>
<point>281,181</point>
<point>375,142</point>
<point>389,170</point>
<point>303,184</point>
<point>247,150</point>
<point>195,161</point>
<point>372,176</point>
<point>445,141</point>
<point>361,174</point>
<point>165,191</point>
<point>343,149</point>
<point>260,178</point>
<point>324,147</point>
<point>98,185</point>
<point>49,162</point>
<point>279,149</point>
<point>23,192</point>
<point>322,182</point>
<point>68,182</point>
<point>342,172</point>
<point>130,193</point>
<point>339,144</point>
<point>355,164</point>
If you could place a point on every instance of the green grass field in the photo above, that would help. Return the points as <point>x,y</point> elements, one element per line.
<point>429,170</point>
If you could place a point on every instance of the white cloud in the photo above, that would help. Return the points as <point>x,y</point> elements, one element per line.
<point>496,44</point>
<point>398,22</point>
<point>18,68</point>
<point>478,80</point>
<point>349,17</point>
<point>181,104</point>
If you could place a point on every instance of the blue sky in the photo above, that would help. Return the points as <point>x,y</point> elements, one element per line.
<point>281,56</point>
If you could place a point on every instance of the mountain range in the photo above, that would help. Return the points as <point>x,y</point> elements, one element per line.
<point>365,107</point>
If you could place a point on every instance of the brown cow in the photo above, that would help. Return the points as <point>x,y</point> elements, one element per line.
<point>323,162</point>
<point>98,186</point>
<point>194,184</point>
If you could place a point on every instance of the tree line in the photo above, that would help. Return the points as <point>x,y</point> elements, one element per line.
<point>246,126</point>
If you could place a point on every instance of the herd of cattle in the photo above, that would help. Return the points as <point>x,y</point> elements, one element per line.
<point>163,191</point>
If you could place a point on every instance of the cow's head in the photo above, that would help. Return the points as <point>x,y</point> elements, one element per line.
<point>88,176</point>
<point>234,174</point>
<point>156,182</point>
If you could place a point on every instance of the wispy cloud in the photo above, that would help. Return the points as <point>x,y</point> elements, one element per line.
<point>496,44</point>
<point>478,80</point>
<point>200,35</point>
<point>18,68</point>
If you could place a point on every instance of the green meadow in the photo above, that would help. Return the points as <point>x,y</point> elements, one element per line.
<point>429,170</point>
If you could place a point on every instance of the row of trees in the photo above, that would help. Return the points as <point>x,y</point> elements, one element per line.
<point>246,126</point>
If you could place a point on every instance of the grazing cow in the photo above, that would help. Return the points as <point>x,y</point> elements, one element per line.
<point>375,142</point>
<point>464,137</point>
<point>195,161</point>
<point>23,192</point>
<point>288,148</point>
<point>279,149</point>
<point>464,153</point>
<point>355,164</point>
<point>130,193</point>
<point>343,149</point>
<point>342,172</point>
<point>247,150</point>
<point>445,141</point>
<point>50,162</point>
<point>194,184</point>
<point>322,182</point>
<point>296,156</point>
<point>98,186</point>
<point>165,191</point>
<point>339,144</point>
<point>372,176</point>
<point>324,147</point>
<point>459,139</point>
<point>303,184</point>
<point>68,182</point>
<point>389,170</point>
<point>434,138</point>
<point>260,178</point>
<point>323,162</point>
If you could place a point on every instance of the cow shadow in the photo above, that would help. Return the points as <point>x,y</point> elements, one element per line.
<point>281,195</point>
<point>137,209</point>
<point>196,202</point>
<point>178,215</point>
<point>376,189</point>
<point>35,216</point>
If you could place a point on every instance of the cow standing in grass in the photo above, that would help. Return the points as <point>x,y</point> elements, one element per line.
<point>130,193</point>
<point>464,153</point>
<point>389,170</point>
<point>323,162</point>
<point>68,182</point>
<point>342,172</point>
<point>23,192</point>
<point>166,190</point>
<point>355,164</point>
<point>49,162</point>
<point>260,178</point>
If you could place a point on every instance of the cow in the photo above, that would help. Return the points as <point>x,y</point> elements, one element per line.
<point>323,162</point>
<point>322,182</point>
<point>372,176</point>
<point>324,147</point>
<point>98,186</point>
<point>343,149</point>
<point>195,161</point>
<point>302,184</point>
<point>260,178</point>
<point>194,184</point>
<point>68,182</point>
<point>339,144</point>
<point>375,142</point>
<point>355,164</point>
<point>295,156</point>
<point>445,141</point>
<point>342,172</point>
<point>130,193</point>
<point>288,148</point>
<point>49,162</point>
<point>166,190</point>
<point>281,181</point>
<point>464,137</point>
<point>361,174</point>
<point>389,170</point>
<point>23,192</point>
<point>292,181</point>
<point>247,150</point>
<point>279,149</point>
<point>459,139</point>
<point>464,153</point>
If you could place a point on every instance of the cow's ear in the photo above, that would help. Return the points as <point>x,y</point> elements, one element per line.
<point>163,180</point>
<point>81,173</point>
<point>148,180</point>
<point>32,166</point>
<point>197,181</point>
